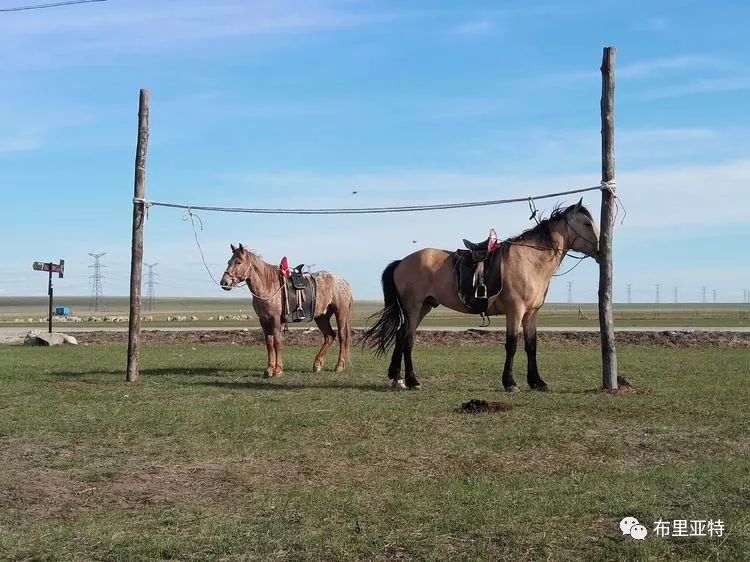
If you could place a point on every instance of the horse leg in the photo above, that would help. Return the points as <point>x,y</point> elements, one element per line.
<point>342,325</point>
<point>512,319</point>
<point>414,320</point>
<point>324,324</point>
<point>278,341</point>
<point>394,369</point>
<point>529,339</point>
<point>267,328</point>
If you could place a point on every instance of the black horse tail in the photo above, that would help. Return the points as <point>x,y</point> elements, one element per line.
<point>382,335</point>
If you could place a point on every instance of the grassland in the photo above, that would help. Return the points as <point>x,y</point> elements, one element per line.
<point>205,460</point>
<point>552,315</point>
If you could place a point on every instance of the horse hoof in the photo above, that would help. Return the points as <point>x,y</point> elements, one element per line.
<point>541,388</point>
<point>398,384</point>
<point>266,374</point>
<point>415,387</point>
<point>339,368</point>
<point>317,368</point>
<point>512,389</point>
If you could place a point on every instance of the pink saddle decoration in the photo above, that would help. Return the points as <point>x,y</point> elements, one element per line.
<point>492,246</point>
<point>284,266</point>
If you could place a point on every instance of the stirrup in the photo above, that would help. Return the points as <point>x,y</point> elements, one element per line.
<point>481,292</point>
<point>485,320</point>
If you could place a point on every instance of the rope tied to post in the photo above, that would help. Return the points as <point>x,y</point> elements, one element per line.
<point>147,204</point>
<point>611,187</point>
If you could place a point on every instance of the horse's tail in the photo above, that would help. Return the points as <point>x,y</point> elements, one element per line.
<point>383,333</point>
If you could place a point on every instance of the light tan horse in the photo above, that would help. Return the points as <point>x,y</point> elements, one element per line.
<point>425,279</point>
<point>333,298</point>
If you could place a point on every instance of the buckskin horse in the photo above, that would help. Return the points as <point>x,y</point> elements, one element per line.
<point>273,288</point>
<point>517,276</point>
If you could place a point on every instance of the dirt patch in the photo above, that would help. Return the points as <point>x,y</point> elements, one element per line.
<point>464,338</point>
<point>66,385</point>
<point>482,407</point>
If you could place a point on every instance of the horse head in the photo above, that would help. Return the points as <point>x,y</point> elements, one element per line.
<point>238,268</point>
<point>583,234</point>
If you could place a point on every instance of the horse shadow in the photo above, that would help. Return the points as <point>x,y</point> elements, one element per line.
<point>160,372</point>
<point>259,383</point>
<point>253,382</point>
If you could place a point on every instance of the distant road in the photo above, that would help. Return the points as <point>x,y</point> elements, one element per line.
<point>15,335</point>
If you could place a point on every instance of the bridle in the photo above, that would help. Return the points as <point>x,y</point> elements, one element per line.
<point>578,236</point>
<point>236,281</point>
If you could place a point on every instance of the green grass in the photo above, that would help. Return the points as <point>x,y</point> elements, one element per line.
<point>205,460</point>
<point>552,315</point>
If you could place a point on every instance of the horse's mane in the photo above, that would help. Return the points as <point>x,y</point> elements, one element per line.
<point>543,230</point>
<point>268,272</point>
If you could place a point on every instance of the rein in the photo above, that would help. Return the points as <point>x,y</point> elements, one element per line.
<point>236,280</point>
<point>565,253</point>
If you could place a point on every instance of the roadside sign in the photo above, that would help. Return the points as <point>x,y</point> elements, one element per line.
<point>58,268</point>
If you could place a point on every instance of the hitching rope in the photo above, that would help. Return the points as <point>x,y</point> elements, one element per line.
<point>610,186</point>
<point>191,217</point>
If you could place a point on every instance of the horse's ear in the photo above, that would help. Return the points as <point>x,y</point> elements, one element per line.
<point>234,250</point>
<point>241,248</point>
<point>579,204</point>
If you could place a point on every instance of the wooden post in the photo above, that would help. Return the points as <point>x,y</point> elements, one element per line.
<point>606,322</point>
<point>50,292</point>
<point>136,257</point>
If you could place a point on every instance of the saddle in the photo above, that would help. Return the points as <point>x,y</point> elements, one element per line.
<point>299,293</point>
<point>470,266</point>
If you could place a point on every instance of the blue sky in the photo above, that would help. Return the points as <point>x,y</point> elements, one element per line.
<point>299,103</point>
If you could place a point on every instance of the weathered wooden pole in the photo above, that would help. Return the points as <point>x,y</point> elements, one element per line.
<point>606,321</point>
<point>50,292</point>
<point>136,256</point>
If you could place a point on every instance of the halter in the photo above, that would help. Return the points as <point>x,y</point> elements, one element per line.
<point>578,235</point>
<point>236,280</point>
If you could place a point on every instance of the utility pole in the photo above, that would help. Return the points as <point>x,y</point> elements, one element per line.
<point>97,295</point>
<point>704,294</point>
<point>675,294</point>
<point>714,296</point>
<point>570,292</point>
<point>630,293</point>
<point>658,287</point>
<point>150,304</point>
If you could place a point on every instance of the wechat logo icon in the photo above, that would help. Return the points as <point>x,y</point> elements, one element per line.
<point>631,526</point>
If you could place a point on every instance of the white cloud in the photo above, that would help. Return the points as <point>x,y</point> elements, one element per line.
<point>700,86</point>
<point>474,28</point>
<point>653,24</point>
<point>655,198</point>
<point>98,31</point>
<point>649,68</point>
<point>19,141</point>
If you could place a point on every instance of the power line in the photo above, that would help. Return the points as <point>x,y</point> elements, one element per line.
<point>150,283</point>
<point>97,295</point>
<point>50,5</point>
